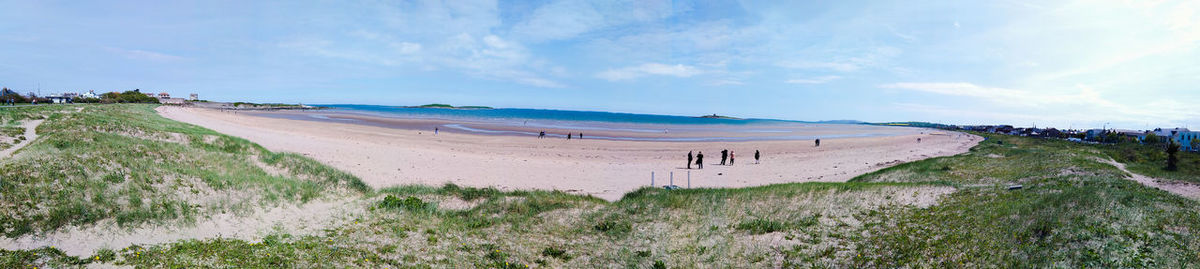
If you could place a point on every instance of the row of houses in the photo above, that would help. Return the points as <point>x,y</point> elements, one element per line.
<point>162,97</point>
<point>1181,136</point>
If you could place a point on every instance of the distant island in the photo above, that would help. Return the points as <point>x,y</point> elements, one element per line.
<point>715,116</point>
<point>445,106</point>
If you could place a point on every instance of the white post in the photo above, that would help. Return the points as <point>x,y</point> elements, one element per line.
<point>689,179</point>
<point>652,179</point>
<point>672,179</point>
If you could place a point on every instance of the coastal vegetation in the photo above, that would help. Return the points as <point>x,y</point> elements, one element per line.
<point>124,164</point>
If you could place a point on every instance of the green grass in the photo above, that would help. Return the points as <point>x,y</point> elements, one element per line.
<point>126,164</point>
<point>1152,161</point>
<point>1073,211</point>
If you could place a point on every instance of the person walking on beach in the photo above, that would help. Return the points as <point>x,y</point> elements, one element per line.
<point>689,163</point>
<point>730,157</point>
<point>918,140</point>
<point>724,156</point>
<point>818,143</point>
<point>756,155</point>
<point>435,130</point>
<point>700,160</point>
<point>580,135</point>
<point>542,135</point>
<point>568,136</point>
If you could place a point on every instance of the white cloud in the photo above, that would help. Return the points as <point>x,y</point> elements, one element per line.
<point>407,47</point>
<point>844,60</point>
<point>632,72</point>
<point>145,55</point>
<point>455,36</point>
<point>813,80</point>
<point>566,19</point>
<point>1084,104</point>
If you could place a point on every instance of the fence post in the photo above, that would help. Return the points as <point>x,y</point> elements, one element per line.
<point>672,179</point>
<point>689,179</point>
<point>651,178</point>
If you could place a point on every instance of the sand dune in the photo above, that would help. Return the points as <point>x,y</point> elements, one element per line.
<point>384,157</point>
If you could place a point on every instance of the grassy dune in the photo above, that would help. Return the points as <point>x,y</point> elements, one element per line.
<point>125,164</point>
<point>1073,210</point>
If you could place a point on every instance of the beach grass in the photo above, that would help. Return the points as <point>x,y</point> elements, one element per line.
<point>127,165</point>
<point>1072,210</point>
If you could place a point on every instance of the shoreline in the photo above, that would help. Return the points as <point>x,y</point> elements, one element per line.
<point>619,131</point>
<point>385,157</point>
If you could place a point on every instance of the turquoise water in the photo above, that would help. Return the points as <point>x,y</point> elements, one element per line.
<point>598,125</point>
<point>510,114</point>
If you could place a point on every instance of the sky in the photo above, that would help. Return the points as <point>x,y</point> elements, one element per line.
<point>1066,64</point>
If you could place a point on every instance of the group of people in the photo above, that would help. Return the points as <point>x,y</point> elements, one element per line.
<point>726,155</point>
<point>542,134</point>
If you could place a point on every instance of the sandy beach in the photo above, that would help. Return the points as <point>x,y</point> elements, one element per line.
<point>608,169</point>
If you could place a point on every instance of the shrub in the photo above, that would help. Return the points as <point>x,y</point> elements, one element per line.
<point>410,203</point>
<point>761,226</point>
<point>613,228</point>
<point>556,253</point>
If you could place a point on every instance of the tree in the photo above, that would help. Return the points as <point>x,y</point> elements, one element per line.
<point>1112,137</point>
<point>7,95</point>
<point>1151,139</point>
<point>1172,160</point>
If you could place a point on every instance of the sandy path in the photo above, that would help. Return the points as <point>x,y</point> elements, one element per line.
<point>307,219</point>
<point>1185,189</point>
<point>384,157</point>
<point>30,135</point>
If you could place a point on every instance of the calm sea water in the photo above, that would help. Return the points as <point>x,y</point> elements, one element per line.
<point>603,125</point>
<point>521,114</point>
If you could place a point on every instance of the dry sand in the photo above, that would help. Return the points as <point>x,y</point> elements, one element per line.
<point>307,219</point>
<point>30,135</point>
<point>608,169</point>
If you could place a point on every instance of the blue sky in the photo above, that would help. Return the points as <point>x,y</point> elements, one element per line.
<point>1050,63</point>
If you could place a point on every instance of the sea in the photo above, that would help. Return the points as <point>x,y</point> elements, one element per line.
<point>597,124</point>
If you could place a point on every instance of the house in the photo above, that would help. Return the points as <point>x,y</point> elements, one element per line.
<point>89,94</point>
<point>1094,134</point>
<point>1051,132</point>
<point>1005,129</point>
<point>1135,134</point>
<point>1184,139</point>
<point>59,99</point>
<point>193,97</point>
<point>164,95</point>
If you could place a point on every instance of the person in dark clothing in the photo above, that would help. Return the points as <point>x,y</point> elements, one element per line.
<point>580,135</point>
<point>689,166</point>
<point>435,130</point>
<point>818,143</point>
<point>724,156</point>
<point>700,160</point>
<point>756,155</point>
<point>568,136</point>
<point>542,134</point>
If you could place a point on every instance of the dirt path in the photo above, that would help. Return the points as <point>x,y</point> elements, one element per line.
<point>30,136</point>
<point>307,219</point>
<point>1185,189</point>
